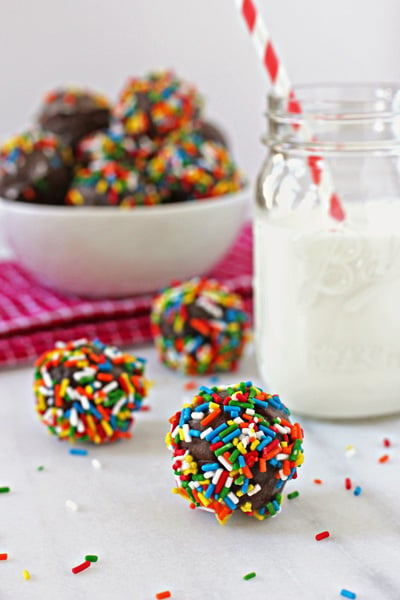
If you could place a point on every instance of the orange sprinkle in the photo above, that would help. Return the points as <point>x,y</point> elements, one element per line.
<point>262,465</point>
<point>105,377</point>
<point>162,595</point>
<point>4,556</point>
<point>384,458</point>
<point>318,481</point>
<point>210,417</point>
<point>190,385</point>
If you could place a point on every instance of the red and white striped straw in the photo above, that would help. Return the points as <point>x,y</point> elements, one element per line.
<point>282,87</point>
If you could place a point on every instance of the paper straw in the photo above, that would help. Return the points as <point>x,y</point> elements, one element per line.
<point>283,88</point>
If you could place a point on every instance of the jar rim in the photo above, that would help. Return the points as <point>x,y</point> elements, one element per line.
<point>354,102</point>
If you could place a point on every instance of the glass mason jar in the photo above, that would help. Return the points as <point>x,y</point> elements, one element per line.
<point>327,268</point>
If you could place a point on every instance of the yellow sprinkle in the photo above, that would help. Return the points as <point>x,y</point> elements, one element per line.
<point>205,501</point>
<point>26,574</point>
<point>254,445</point>
<point>246,507</point>
<point>107,427</point>
<point>63,387</point>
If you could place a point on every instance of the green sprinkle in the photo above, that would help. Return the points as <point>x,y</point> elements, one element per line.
<point>4,490</point>
<point>91,557</point>
<point>40,468</point>
<point>249,575</point>
<point>293,495</point>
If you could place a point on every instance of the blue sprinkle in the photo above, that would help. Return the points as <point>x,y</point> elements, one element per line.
<point>96,413</point>
<point>214,379</point>
<point>204,388</point>
<point>260,403</point>
<point>210,467</point>
<point>209,490</point>
<point>194,432</point>
<point>267,430</point>
<point>107,366</point>
<point>347,594</point>
<point>262,510</point>
<point>78,451</point>
<point>280,483</point>
<point>276,505</point>
<point>245,487</point>
<point>202,407</point>
<point>277,464</point>
<point>231,436</point>
<point>242,462</point>
<point>264,443</point>
<point>357,491</point>
<point>229,503</point>
<point>78,408</point>
<point>215,432</point>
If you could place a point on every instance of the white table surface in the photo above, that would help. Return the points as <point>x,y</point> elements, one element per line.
<point>148,540</point>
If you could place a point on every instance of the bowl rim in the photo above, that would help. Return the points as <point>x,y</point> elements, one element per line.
<point>155,209</point>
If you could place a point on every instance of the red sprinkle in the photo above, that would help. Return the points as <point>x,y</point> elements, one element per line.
<point>386,443</point>
<point>318,481</point>
<point>85,565</point>
<point>322,535</point>
<point>384,458</point>
<point>161,595</point>
<point>347,483</point>
<point>3,556</point>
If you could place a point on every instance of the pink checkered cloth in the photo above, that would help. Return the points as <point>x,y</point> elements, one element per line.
<point>33,317</point>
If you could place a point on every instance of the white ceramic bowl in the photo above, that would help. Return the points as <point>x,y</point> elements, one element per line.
<point>108,251</point>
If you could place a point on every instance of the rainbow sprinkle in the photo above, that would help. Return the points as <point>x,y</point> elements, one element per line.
<point>157,104</point>
<point>199,327</point>
<point>188,167</point>
<point>234,447</point>
<point>111,183</point>
<point>28,164</point>
<point>87,391</point>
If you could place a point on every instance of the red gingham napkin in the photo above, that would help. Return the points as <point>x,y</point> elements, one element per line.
<point>33,317</point>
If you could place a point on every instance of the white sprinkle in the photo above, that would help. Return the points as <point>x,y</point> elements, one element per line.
<point>46,377</point>
<point>96,464</point>
<point>186,435</point>
<point>232,497</point>
<point>45,391</point>
<point>71,505</point>
<point>73,417</point>
<point>209,306</point>
<point>250,411</point>
<point>79,342</point>
<point>255,490</point>
<point>206,432</point>
<point>117,407</point>
<point>110,387</point>
<point>228,482</point>
<point>80,426</point>
<point>197,415</point>
<point>217,475</point>
<point>225,463</point>
<point>281,428</point>
<point>281,456</point>
<point>208,474</point>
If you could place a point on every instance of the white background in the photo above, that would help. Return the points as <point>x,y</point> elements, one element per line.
<point>100,43</point>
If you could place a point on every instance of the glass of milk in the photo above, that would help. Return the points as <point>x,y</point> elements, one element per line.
<point>327,288</point>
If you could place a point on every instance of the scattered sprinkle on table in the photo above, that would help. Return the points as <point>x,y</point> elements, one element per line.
<point>322,535</point>
<point>26,575</point>
<point>82,567</point>
<point>145,408</point>
<point>318,481</point>
<point>293,495</point>
<point>4,490</point>
<point>71,505</point>
<point>347,594</point>
<point>91,557</point>
<point>386,442</point>
<point>78,451</point>
<point>4,556</point>
<point>347,483</point>
<point>40,468</point>
<point>190,385</point>
<point>357,491</point>
<point>249,575</point>
<point>384,458</point>
<point>96,464</point>
<point>162,595</point>
<point>350,451</point>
